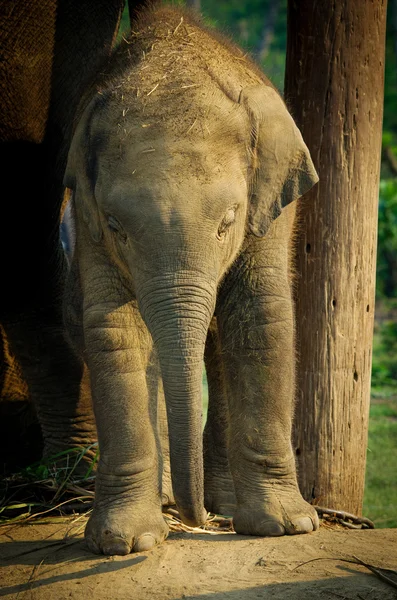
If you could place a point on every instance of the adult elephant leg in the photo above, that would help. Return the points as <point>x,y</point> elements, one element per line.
<point>219,495</point>
<point>257,335</point>
<point>20,435</point>
<point>63,43</point>
<point>31,316</point>
<point>58,382</point>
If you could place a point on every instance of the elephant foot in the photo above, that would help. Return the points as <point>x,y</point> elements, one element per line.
<point>121,530</point>
<point>283,511</point>
<point>219,495</point>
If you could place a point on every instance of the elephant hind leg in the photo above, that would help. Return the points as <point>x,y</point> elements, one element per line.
<point>158,417</point>
<point>218,481</point>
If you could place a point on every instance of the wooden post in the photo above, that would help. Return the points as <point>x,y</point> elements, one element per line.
<point>334,89</point>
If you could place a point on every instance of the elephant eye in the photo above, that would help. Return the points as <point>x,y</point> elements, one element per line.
<point>227,220</point>
<point>115,227</point>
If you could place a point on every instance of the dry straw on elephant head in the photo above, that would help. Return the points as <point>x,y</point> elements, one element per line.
<point>157,89</point>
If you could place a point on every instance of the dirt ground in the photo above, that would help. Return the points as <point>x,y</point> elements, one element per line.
<point>49,561</point>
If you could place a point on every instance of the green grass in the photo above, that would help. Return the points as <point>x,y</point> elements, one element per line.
<point>380,500</point>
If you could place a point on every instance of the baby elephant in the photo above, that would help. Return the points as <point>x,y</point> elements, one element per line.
<point>182,162</point>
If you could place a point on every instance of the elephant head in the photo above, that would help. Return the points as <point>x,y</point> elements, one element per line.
<point>170,194</point>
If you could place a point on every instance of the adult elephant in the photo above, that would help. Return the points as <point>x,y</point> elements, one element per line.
<point>49,50</point>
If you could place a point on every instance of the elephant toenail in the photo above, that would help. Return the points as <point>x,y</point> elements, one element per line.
<point>145,542</point>
<point>116,545</point>
<point>271,528</point>
<point>303,525</point>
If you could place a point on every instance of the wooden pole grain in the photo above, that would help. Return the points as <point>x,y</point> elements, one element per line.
<point>334,89</point>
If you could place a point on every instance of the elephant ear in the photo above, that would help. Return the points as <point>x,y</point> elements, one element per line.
<point>80,174</point>
<point>282,169</point>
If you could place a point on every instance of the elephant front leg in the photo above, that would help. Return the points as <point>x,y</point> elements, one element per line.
<point>127,511</point>
<point>257,342</point>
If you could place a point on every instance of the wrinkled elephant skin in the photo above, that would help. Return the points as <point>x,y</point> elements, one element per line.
<point>182,167</point>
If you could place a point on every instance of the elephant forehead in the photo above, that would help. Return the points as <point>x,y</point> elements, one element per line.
<point>170,191</point>
<point>159,159</point>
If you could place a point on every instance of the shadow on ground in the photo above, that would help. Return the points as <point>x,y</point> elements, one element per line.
<point>37,563</point>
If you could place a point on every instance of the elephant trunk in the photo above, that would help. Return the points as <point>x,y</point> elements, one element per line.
<point>178,314</point>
